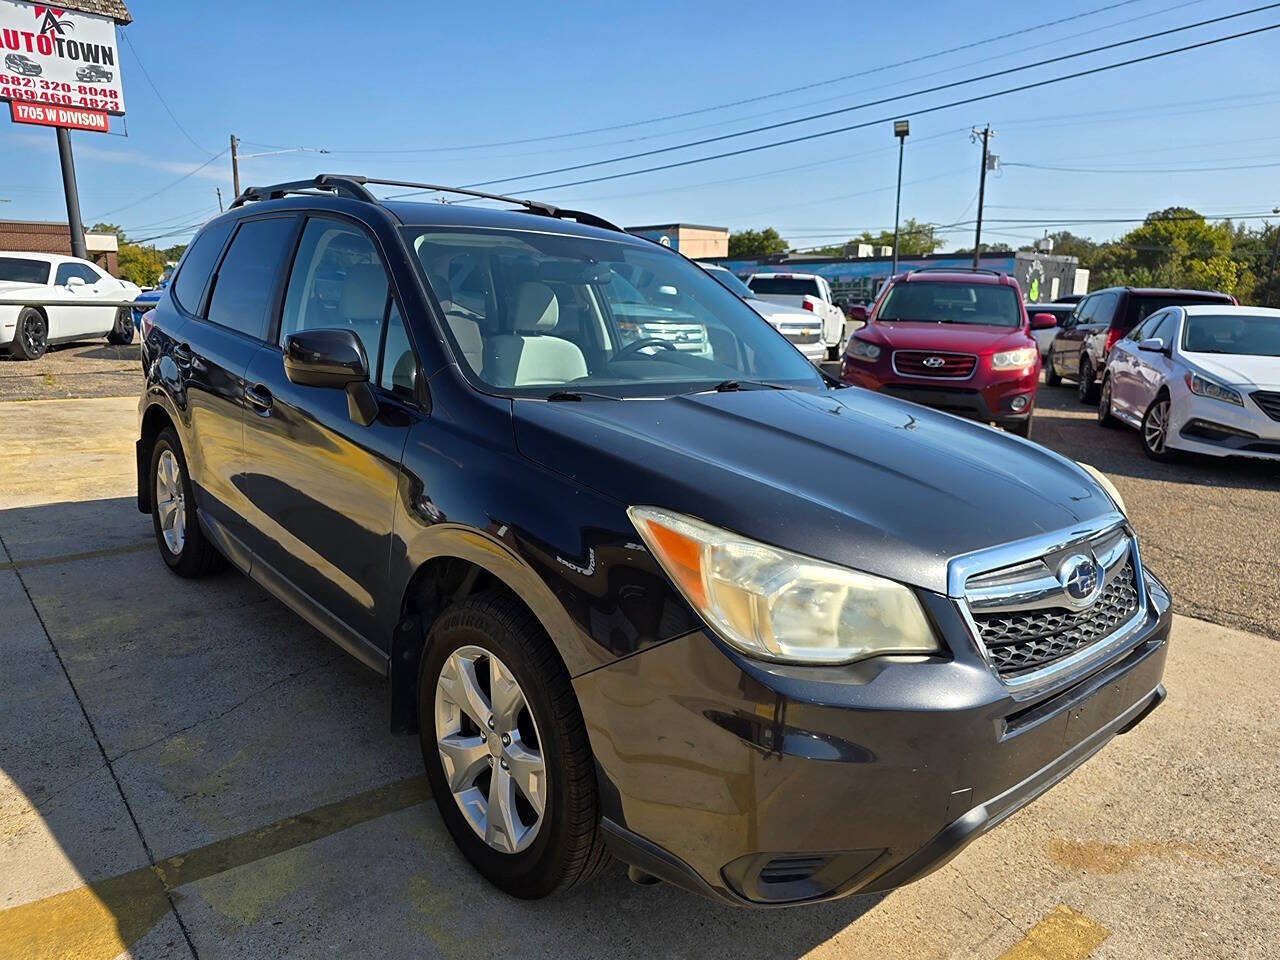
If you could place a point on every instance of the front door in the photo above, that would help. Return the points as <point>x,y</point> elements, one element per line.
<point>77,282</point>
<point>321,487</point>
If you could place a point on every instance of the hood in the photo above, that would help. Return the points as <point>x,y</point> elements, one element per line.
<point>849,476</point>
<point>777,312</point>
<point>961,337</point>
<point>1248,372</point>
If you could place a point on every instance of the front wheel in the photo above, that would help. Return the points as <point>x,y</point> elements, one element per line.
<point>1051,376</point>
<point>123,332</point>
<point>31,339</point>
<point>1155,430</point>
<point>506,749</point>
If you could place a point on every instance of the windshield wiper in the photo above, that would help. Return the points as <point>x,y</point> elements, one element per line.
<point>562,395</point>
<point>730,386</point>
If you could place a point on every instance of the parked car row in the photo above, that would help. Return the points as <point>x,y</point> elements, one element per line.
<point>622,589</point>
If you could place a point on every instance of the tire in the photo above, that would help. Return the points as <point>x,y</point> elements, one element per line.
<point>188,554</point>
<point>1087,387</point>
<point>1155,430</point>
<point>123,332</point>
<point>563,845</point>
<point>1051,376</point>
<point>1020,428</point>
<point>1105,418</point>
<point>31,338</point>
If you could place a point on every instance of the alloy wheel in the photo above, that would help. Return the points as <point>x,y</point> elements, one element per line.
<point>1104,402</point>
<point>171,504</point>
<point>1085,382</point>
<point>490,749</point>
<point>1156,428</point>
<point>33,334</point>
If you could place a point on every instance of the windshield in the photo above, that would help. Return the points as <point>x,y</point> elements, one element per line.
<point>785,286</point>
<point>732,282</point>
<point>985,304</point>
<point>24,271</point>
<point>1242,334</point>
<point>540,314</point>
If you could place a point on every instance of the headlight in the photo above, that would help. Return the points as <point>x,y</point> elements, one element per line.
<point>1105,482</point>
<point>1011,359</point>
<point>777,605</point>
<point>1204,387</point>
<point>861,350</point>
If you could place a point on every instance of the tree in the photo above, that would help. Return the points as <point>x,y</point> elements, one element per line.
<point>140,265</point>
<point>756,243</point>
<point>109,228</point>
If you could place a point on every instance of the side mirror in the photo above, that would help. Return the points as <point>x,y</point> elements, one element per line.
<point>75,281</point>
<point>1043,321</point>
<point>859,312</point>
<point>333,359</point>
<point>1151,345</point>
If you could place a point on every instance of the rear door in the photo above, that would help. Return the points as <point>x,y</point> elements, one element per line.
<point>1151,370</point>
<point>321,488</point>
<point>1124,364</point>
<point>1066,348</point>
<point>229,322</point>
<point>1095,334</point>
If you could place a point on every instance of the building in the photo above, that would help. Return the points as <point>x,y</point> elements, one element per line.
<point>31,236</point>
<point>691,239</point>
<point>1043,277</point>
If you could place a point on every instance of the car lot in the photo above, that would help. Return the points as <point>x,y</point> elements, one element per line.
<point>203,728</point>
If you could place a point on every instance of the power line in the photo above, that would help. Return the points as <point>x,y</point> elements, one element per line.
<point>159,96</point>
<point>1095,170</point>
<point>173,183</point>
<point>914,113</point>
<point>884,100</point>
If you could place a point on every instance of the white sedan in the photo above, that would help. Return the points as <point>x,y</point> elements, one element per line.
<point>1202,379</point>
<point>52,285</point>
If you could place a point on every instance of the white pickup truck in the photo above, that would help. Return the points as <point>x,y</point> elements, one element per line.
<point>809,292</point>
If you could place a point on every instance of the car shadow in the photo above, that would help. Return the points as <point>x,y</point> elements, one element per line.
<point>256,762</point>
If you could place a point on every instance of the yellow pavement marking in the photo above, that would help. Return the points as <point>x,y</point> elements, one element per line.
<point>105,918</point>
<point>1065,934</point>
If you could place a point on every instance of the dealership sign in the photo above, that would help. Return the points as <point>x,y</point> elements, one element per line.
<point>62,60</point>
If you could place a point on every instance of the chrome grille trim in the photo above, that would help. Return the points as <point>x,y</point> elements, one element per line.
<point>1011,575</point>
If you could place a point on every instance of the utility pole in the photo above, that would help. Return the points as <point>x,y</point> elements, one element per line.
<point>235,165</point>
<point>986,133</point>
<point>72,194</point>
<point>220,207</point>
<point>901,130</point>
<point>1275,252</point>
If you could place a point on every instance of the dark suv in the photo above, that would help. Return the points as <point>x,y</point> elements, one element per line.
<point>763,636</point>
<point>1079,352</point>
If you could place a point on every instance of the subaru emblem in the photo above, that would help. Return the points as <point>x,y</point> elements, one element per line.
<point>1081,578</point>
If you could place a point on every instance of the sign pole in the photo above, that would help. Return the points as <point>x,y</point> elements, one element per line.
<point>73,194</point>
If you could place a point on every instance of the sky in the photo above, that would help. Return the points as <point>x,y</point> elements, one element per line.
<point>461,94</point>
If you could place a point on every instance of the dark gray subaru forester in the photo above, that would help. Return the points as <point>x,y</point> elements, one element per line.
<point>644,581</point>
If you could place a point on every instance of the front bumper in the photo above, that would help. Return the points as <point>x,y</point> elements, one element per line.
<point>764,784</point>
<point>1213,428</point>
<point>986,396</point>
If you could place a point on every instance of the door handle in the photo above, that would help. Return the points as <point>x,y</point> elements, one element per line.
<point>260,399</point>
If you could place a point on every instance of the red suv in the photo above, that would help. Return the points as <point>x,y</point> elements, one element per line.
<point>952,339</point>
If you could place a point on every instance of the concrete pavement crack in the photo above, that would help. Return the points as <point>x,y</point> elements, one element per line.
<point>991,906</point>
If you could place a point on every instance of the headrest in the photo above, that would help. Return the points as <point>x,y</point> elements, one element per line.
<point>364,293</point>
<point>536,307</point>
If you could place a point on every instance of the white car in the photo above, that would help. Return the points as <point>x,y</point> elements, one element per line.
<point>1201,379</point>
<point>801,327</point>
<point>53,284</point>
<point>810,293</point>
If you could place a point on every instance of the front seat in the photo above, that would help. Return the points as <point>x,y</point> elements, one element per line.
<point>363,304</point>
<point>533,354</point>
<point>465,330</point>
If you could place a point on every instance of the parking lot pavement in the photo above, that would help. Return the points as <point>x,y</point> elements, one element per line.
<point>188,769</point>
<point>91,369</point>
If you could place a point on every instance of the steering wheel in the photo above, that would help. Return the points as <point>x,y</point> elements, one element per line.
<point>638,345</point>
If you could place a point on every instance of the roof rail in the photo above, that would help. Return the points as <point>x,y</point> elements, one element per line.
<point>355,188</point>
<point>940,269</point>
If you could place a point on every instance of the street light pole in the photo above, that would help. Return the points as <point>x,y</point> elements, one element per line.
<point>901,130</point>
<point>72,194</point>
<point>1275,251</point>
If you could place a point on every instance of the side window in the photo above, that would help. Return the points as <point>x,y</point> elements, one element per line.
<point>197,265</point>
<point>68,270</point>
<point>1142,330</point>
<point>337,282</point>
<point>1084,310</point>
<point>246,281</point>
<point>1105,308</point>
<point>399,366</point>
<point>1165,326</point>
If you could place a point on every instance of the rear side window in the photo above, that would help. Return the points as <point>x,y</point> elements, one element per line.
<point>19,270</point>
<point>785,286</point>
<point>246,281</point>
<point>68,270</point>
<point>197,265</point>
